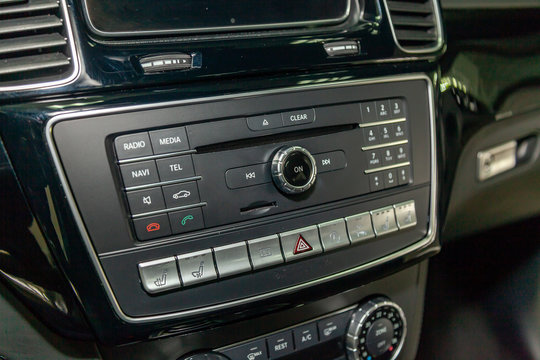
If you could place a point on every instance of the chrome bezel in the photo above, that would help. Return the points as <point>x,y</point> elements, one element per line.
<point>278,166</point>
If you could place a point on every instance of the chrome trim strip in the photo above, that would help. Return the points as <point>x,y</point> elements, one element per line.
<point>401,142</point>
<point>159,156</point>
<point>192,206</point>
<point>427,240</point>
<point>74,57</point>
<point>139,187</point>
<point>214,29</point>
<point>438,24</point>
<point>385,122</point>
<point>387,167</point>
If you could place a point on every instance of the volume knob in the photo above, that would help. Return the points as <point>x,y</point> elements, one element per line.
<point>293,169</point>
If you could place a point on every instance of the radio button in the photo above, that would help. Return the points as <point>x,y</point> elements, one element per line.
<point>374,159</point>
<point>159,275</point>
<point>197,267</point>
<point>333,234</point>
<point>389,157</point>
<point>131,146</point>
<point>232,259</point>
<point>181,194</point>
<point>405,214</point>
<point>265,252</point>
<point>298,117</point>
<point>331,161</point>
<point>264,122</point>
<point>390,179</point>
<point>144,201</point>
<point>384,220</point>
<point>399,131</point>
<point>152,227</point>
<point>300,243</point>
<point>396,108</point>
<point>248,176</point>
<point>376,182</point>
<point>186,220</point>
<point>141,173</point>
<point>175,168</point>
<point>360,227</point>
<point>383,110</point>
<point>404,175</point>
<point>369,113</point>
<point>371,136</point>
<point>169,140</point>
<point>385,133</point>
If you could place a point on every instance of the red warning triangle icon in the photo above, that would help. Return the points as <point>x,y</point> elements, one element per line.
<point>301,246</point>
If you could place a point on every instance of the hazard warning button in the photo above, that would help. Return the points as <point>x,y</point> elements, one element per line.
<point>300,243</point>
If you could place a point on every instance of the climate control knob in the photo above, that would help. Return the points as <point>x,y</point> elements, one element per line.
<point>293,169</point>
<point>377,331</point>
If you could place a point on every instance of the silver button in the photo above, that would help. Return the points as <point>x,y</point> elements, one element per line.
<point>300,243</point>
<point>405,214</point>
<point>197,267</point>
<point>265,252</point>
<point>333,234</point>
<point>360,227</point>
<point>159,275</point>
<point>232,259</point>
<point>384,220</point>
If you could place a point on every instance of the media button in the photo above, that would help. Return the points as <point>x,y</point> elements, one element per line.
<point>197,267</point>
<point>248,176</point>
<point>159,275</point>
<point>330,161</point>
<point>265,252</point>
<point>175,168</point>
<point>181,194</point>
<point>186,220</point>
<point>298,117</point>
<point>132,146</point>
<point>152,227</point>
<point>169,140</point>
<point>300,243</point>
<point>264,122</point>
<point>141,173</point>
<point>144,201</point>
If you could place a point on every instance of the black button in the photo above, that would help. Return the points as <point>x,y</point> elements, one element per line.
<point>186,220</point>
<point>404,175</point>
<point>402,153</point>
<point>298,117</point>
<point>264,122</point>
<point>131,146</point>
<point>369,113</point>
<point>333,327</point>
<point>280,344</point>
<point>248,176</point>
<point>396,108</point>
<point>305,336</point>
<point>181,194</point>
<point>385,133</point>
<point>371,136</point>
<point>175,168</point>
<point>140,173</point>
<point>383,110</point>
<point>152,227</point>
<point>376,182</point>
<point>297,169</point>
<point>374,159</point>
<point>147,200</point>
<point>254,350</point>
<point>169,140</point>
<point>379,337</point>
<point>390,178</point>
<point>399,131</point>
<point>388,156</point>
<point>331,161</point>
<point>525,149</point>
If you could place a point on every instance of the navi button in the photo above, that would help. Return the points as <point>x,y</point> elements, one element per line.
<point>197,267</point>
<point>159,275</point>
<point>300,243</point>
<point>141,173</point>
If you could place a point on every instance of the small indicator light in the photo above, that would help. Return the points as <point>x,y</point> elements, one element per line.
<point>391,348</point>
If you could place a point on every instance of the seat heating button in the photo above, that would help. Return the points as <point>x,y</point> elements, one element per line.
<point>280,344</point>
<point>384,220</point>
<point>333,234</point>
<point>265,252</point>
<point>359,227</point>
<point>197,267</point>
<point>232,259</point>
<point>405,214</point>
<point>300,243</point>
<point>186,220</point>
<point>169,140</point>
<point>140,173</point>
<point>175,168</point>
<point>132,146</point>
<point>152,227</point>
<point>159,275</point>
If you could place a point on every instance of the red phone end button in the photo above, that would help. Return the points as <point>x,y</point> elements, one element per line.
<point>300,243</point>
<point>152,227</point>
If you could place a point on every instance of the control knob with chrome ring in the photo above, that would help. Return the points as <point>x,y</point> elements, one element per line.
<point>293,169</point>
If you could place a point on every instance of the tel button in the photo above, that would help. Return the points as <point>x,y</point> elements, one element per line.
<point>169,140</point>
<point>152,227</point>
<point>186,220</point>
<point>175,168</point>
<point>131,146</point>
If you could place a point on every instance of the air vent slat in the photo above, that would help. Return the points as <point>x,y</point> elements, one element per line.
<point>410,7</point>
<point>412,35</point>
<point>27,43</point>
<point>10,2</point>
<point>29,24</point>
<point>33,63</point>
<point>412,21</point>
<point>33,5</point>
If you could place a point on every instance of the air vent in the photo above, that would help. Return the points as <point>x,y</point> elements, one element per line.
<point>416,24</point>
<point>36,47</point>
